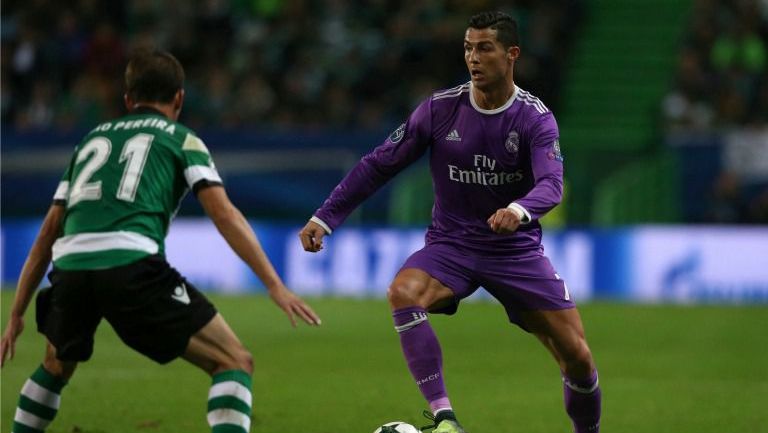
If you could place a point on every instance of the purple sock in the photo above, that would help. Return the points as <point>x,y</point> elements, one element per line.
<point>423,355</point>
<point>582,402</point>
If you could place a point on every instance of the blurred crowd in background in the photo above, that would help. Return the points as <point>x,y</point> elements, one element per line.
<point>264,63</point>
<point>721,84</point>
<point>722,72</point>
<point>337,65</point>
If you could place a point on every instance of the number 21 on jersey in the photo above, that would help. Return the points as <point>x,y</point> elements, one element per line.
<point>96,153</point>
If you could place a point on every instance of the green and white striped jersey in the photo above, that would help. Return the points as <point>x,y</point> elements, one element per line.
<point>123,187</point>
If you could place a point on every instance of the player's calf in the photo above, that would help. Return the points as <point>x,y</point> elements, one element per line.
<point>38,402</point>
<point>581,387</point>
<point>423,355</point>
<point>229,402</point>
<point>582,398</point>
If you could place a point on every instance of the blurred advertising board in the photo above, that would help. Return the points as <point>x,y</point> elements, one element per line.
<point>702,264</point>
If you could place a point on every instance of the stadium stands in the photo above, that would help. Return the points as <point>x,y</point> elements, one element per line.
<point>711,131</point>
<point>287,76</point>
<point>262,77</point>
<point>258,72</point>
<point>618,74</point>
<point>306,64</point>
<point>715,114</point>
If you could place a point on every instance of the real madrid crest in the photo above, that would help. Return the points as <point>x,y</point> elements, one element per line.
<point>513,143</point>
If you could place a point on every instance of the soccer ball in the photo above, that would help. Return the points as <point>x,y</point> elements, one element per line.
<point>397,427</point>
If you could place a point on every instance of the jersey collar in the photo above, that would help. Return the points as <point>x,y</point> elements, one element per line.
<point>495,110</point>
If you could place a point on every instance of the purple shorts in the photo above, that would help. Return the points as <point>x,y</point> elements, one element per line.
<point>521,283</point>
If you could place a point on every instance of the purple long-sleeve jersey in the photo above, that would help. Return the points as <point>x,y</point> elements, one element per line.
<point>481,161</point>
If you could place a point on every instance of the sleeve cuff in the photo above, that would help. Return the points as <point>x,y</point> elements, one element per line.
<point>204,183</point>
<point>321,223</point>
<point>521,212</point>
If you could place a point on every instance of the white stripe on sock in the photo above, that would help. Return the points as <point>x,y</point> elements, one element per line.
<point>411,324</point>
<point>30,419</point>
<point>41,395</point>
<point>232,388</point>
<point>580,389</point>
<point>229,416</point>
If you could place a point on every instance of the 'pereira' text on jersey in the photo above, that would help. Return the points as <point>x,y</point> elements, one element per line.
<point>123,186</point>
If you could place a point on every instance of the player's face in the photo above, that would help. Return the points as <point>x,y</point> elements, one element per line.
<point>488,62</point>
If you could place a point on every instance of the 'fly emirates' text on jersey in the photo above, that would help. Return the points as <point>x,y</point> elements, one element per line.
<point>481,161</point>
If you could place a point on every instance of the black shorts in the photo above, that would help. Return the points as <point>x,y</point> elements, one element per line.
<point>150,305</point>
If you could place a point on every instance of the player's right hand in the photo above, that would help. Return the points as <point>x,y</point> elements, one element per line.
<point>504,221</point>
<point>8,343</point>
<point>294,306</point>
<point>312,237</point>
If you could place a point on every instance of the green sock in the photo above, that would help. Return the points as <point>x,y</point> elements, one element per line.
<point>38,402</point>
<point>229,402</point>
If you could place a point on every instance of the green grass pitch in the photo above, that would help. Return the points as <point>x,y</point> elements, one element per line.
<point>663,369</point>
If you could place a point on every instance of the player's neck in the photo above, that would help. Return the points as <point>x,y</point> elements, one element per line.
<point>166,110</point>
<point>490,99</point>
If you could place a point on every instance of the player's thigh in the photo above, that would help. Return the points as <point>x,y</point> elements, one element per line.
<point>216,348</point>
<point>522,284</point>
<point>436,277</point>
<point>413,286</point>
<point>152,308</point>
<point>68,315</point>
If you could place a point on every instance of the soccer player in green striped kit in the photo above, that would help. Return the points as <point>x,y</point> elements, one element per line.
<point>105,234</point>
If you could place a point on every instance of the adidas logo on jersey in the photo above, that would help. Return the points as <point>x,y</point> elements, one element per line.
<point>453,136</point>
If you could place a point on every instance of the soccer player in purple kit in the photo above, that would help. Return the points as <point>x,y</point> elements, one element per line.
<point>496,169</point>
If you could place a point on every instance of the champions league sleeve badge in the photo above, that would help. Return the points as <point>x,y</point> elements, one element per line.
<point>555,154</point>
<point>397,134</point>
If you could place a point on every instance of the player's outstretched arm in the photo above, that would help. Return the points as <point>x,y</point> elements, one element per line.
<point>312,237</point>
<point>240,236</point>
<point>31,274</point>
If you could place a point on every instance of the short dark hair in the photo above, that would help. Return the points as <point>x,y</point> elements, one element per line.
<point>153,76</point>
<point>505,26</point>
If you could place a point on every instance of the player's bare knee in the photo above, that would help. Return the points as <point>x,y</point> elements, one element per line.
<point>56,367</point>
<point>579,362</point>
<point>239,359</point>
<point>245,359</point>
<point>244,363</point>
<point>401,294</point>
<point>60,369</point>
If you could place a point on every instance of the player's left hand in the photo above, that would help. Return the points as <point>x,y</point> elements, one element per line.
<point>293,306</point>
<point>504,221</point>
<point>8,343</point>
